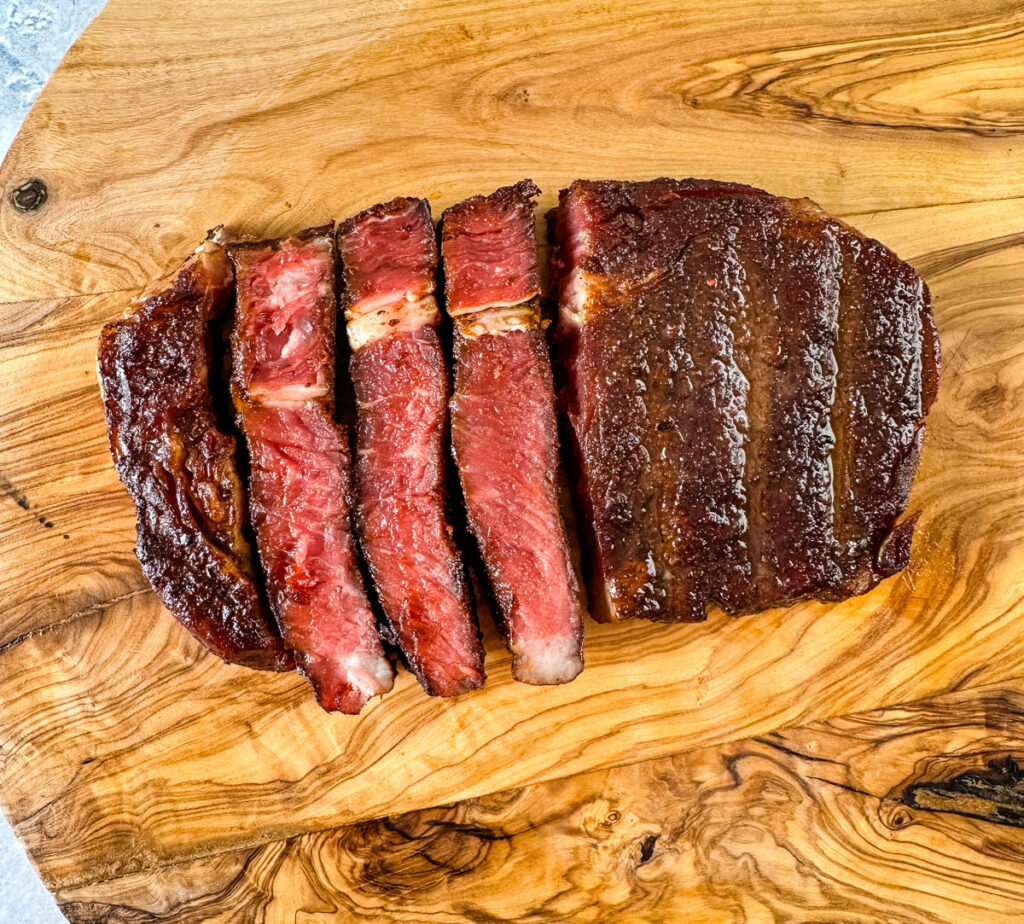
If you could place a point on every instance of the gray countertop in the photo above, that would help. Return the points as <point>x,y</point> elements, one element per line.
<point>34,34</point>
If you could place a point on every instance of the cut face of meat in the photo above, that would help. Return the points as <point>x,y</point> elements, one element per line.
<point>388,255</point>
<point>504,430</point>
<point>298,463</point>
<point>747,381</point>
<point>282,343</point>
<point>505,439</point>
<point>401,383</point>
<point>283,354</point>
<point>179,466</point>
<point>490,251</point>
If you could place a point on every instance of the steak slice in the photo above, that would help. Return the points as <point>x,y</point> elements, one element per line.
<point>504,430</point>
<point>746,383</point>
<point>398,369</point>
<point>888,379</point>
<point>283,388</point>
<point>179,466</point>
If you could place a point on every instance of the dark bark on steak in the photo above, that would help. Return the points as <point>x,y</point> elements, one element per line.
<point>504,430</point>
<point>398,369</point>
<point>746,386</point>
<point>699,397</point>
<point>179,467</point>
<point>888,378</point>
<point>282,385</point>
<point>793,463</point>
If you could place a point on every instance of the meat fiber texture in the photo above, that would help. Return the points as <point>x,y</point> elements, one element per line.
<point>179,466</point>
<point>746,382</point>
<point>504,430</point>
<point>400,377</point>
<point>282,384</point>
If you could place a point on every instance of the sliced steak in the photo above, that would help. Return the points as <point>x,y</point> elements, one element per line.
<point>888,379</point>
<point>179,466</point>
<point>283,388</point>
<point>398,369</point>
<point>504,430</point>
<point>746,382</point>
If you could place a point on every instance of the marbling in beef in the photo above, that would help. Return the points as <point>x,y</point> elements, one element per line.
<point>504,433</point>
<point>398,369</point>
<point>283,387</point>
<point>747,381</point>
<point>179,466</point>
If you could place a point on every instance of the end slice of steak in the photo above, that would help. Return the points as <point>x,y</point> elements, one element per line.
<point>179,466</point>
<point>398,369</point>
<point>504,431</point>
<point>888,378</point>
<point>282,384</point>
<point>747,381</point>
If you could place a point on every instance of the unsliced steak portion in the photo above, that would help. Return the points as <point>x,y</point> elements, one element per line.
<point>179,466</point>
<point>504,431</point>
<point>398,369</point>
<point>746,381</point>
<point>283,388</point>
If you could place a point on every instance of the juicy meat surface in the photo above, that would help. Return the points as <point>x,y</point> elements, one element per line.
<point>388,254</point>
<point>282,383</point>
<point>299,462</point>
<point>179,466</point>
<point>504,430</point>
<point>505,439</point>
<point>400,378</point>
<point>283,340</point>
<point>490,251</point>
<point>746,382</point>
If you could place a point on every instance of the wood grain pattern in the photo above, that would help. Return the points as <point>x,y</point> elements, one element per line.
<point>829,822</point>
<point>313,110</point>
<point>65,517</point>
<point>123,748</point>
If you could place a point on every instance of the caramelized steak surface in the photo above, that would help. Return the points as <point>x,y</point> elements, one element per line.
<point>179,466</point>
<point>746,382</point>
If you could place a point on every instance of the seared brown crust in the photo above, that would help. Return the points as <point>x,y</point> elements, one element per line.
<point>888,377</point>
<point>179,466</point>
<point>239,244</point>
<point>747,381</point>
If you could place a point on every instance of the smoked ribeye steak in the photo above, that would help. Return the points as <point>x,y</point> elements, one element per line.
<point>283,387</point>
<point>504,430</point>
<point>179,466</point>
<point>746,383</point>
<point>398,370</point>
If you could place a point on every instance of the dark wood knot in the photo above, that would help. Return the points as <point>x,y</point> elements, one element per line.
<point>994,792</point>
<point>899,817</point>
<point>647,848</point>
<point>29,196</point>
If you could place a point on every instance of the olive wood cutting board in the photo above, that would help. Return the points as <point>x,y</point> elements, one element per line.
<point>141,773</point>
